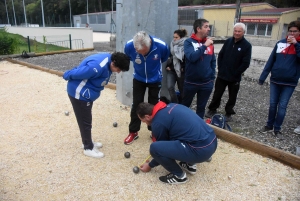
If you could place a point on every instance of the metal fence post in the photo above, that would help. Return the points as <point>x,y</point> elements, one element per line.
<point>70,41</point>
<point>28,42</point>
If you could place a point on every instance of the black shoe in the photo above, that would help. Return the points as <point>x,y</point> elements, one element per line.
<point>210,113</point>
<point>228,118</point>
<point>279,135</point>
<point>173,179</point>
<point>265,129</point>
<point>188,168</point>
<point>208,160</point>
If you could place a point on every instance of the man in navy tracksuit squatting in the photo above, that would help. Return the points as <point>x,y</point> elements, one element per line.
<point>200,67</point>
<point>178,134</point>
<point>85,83</point>
<point>147,54</point>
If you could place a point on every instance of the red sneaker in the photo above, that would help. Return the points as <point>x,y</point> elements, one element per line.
<point>130,138</point>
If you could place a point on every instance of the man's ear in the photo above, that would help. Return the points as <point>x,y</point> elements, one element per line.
<point>148,117</point>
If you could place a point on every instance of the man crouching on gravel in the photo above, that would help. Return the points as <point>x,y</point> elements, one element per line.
<point>85,83</point>
<point>178,134</point>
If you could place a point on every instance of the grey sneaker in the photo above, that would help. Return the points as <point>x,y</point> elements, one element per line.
<point>210,113</point>
<point>297,130</point>
<point>265,129</point>
<point>188,168</point>
<point>173,179</point>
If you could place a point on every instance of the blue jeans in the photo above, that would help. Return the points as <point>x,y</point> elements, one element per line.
<point>279,98</point>
<point>172,79</point>
<point>203,92</point>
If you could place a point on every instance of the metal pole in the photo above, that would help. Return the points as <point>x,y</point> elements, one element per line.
<point>237,11</point>
<point>70,13</point>
<point>111,22</point>
<point>87,11</point>
<point>42,5</point>
<point>28,42</point>
<point>25,13</point>
<point>70,40</point>
<point>6,13</point>
<point>12,1</point>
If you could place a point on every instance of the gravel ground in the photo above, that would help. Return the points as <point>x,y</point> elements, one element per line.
<point>251,107</point>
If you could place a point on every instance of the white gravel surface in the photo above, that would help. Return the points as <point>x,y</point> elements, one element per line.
<point>41,156</point>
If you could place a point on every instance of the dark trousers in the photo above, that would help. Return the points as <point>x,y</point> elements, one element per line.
<point>203,92</point>
<point>172,79</point>
<point>83,113</point>
<point>139,89</point>
<point>220,86</point>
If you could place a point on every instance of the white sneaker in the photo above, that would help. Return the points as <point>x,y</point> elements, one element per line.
<point>96,144</point>
<point>93,153</point>
<point>297,130</point>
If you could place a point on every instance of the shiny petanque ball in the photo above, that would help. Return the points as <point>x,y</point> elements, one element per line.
<point>67,113</point>
<point>115,124</point>
<point>136,169</point>
<point>127,154</point>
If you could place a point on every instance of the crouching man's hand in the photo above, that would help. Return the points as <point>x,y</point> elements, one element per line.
<point>145,167</point>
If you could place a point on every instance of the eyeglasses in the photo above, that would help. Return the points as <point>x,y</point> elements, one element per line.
<point>293,31</point>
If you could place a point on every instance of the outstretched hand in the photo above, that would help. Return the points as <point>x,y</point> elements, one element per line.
<point>145,167</point>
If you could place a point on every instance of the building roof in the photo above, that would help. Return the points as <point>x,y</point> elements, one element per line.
<point>274,11</point>
<point>221,6</point>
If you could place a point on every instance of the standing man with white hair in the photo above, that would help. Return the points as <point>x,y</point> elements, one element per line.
<point>233,60</point>
<point>147,54</point>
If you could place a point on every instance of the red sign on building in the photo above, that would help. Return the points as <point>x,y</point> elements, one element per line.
<point>259,20</point>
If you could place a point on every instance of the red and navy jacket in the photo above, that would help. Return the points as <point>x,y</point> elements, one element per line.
<point>200,61</point>
<point>283,63</point>
<point>173,121</point>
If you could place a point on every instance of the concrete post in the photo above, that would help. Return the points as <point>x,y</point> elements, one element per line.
<point>156,17</point>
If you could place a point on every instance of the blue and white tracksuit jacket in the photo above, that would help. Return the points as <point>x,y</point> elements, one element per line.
<point>148,69</point>
<point>86,81</point>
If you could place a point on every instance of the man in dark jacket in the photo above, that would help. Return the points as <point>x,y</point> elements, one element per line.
<point>179,134</point>
<point>234,58</point>
<point>200,67</point>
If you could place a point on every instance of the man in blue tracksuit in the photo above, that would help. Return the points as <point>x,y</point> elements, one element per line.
<point>200,67</point>
<point>85,83</point>
<point>147,54</point>
<point>284,65</point>
<point>179,134</point>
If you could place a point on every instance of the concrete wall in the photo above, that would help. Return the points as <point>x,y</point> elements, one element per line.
<point>55,33</point>
<point>156,17</point>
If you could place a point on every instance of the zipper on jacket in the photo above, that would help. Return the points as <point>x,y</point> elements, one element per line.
<point>145,58</point>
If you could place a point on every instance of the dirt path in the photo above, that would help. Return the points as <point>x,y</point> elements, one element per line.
<point>41,158</point>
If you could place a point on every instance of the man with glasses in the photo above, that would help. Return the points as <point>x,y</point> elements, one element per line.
<point>284,65</point>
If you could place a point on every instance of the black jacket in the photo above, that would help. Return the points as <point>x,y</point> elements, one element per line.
<point>171,65</point>
<point>234,59</point>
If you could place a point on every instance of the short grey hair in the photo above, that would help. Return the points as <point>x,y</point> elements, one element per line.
<point>141,39</point>
<point>239,24</point>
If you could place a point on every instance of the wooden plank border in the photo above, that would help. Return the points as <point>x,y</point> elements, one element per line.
<point>257,147</point>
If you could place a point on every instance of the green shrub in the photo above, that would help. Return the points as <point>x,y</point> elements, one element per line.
<point>8,44</point>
